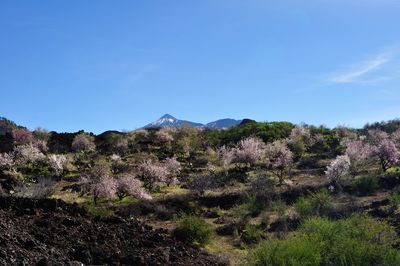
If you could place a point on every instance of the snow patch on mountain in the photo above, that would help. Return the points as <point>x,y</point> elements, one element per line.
<point>168,120</point>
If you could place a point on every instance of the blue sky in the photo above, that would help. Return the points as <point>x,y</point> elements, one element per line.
<point>99,65</point>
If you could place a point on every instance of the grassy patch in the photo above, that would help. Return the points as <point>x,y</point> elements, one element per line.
<point>102,208</point>
<point>223,246</point>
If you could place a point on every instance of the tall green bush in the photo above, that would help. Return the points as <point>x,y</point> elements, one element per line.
<point>357,240</point>
<point>193,230</point>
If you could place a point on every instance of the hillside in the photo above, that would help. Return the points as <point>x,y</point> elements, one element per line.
<point>257,193</point>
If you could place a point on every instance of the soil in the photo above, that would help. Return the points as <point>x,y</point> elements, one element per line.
<point>51,232</point>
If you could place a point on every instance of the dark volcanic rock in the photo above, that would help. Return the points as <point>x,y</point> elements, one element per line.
<point>50,232</point>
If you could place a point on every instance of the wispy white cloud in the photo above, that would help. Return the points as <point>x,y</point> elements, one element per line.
<point>356,72</point>
<point>140,73</point>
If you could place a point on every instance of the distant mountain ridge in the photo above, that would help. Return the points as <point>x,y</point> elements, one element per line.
<point>168,120</point>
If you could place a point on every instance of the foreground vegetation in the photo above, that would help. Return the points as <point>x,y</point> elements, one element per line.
<point>269,193</point>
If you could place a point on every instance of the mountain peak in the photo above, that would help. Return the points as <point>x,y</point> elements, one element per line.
<point>167,116</point>
<point>168,120</point>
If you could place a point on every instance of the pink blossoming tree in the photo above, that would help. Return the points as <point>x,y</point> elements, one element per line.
<point>337,170</point>
<point>358,153</point>
<point>173,168</point>
<point>83,142</point>
<point>152,173</point>
<point>279,159</point>
<point>128,185</point>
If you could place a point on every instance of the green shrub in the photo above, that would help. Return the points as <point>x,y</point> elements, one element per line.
<point>252,234</point>
<point>279,206</point>
<point>316,204</point>
<point>357,240</point>
<point>254,206</point>
<point>394,199</point>
<point>289,252</point>
<point>366,184</point>
<point>194,230</point>
<point>304,207</point>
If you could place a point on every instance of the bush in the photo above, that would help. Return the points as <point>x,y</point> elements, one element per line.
<point>252,234</point>
<point>357,240</point>
<point>290,252</point>
<point>279,206</point>
<point>366,184</point>
<point>394,199</point>
<point>255,205</point>
<point>193,230</point>
<point>317,204</point>
<point>240,216</point>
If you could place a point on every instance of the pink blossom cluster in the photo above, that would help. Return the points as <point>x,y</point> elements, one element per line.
<point>58,162</point>
<point>128,185</point>
<point>174,168</point>
<point>300,133</point>
<point>278,154</point>
<point>383,149</point>
<point>359,154</point>
<point>152,173</point>
<point>396,138</point>
<point>279,158</point>
<point>165,172</point>
<point>247,151</point>
<point>338,169</point>
<point>6,161</point>
<point>83,142</point>
<point>387,153</point>
<point>27,153</point>
<point>22,136</point>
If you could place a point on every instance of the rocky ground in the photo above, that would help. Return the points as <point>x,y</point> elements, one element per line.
<point>51,232</point>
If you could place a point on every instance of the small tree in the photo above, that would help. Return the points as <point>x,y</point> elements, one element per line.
<point>152,173</point>
<point>202,183</point>
<point>6,161</point>
<point>117,164</point>
<point>42,134</point>
<point>27,153</point>
<point>396,138</point>
<point>375,136</point>
<point>173,168</point>
<point>41,145</point>
<point>383,149</point>
<point>280,159</point>
<point>83,142</point>
<point>387,154</point>
<point>58,163</point>
<point>120,144</point>
<point>359,156</point>
<point>337,170</point>
<point>226,155</point>
<point>141,132</point>
<point>22,136</point>
<point>299,138</point>
<point>248,151</point>
<point>164,135</point>
<point>98,182</point>
<point>127,185</point>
